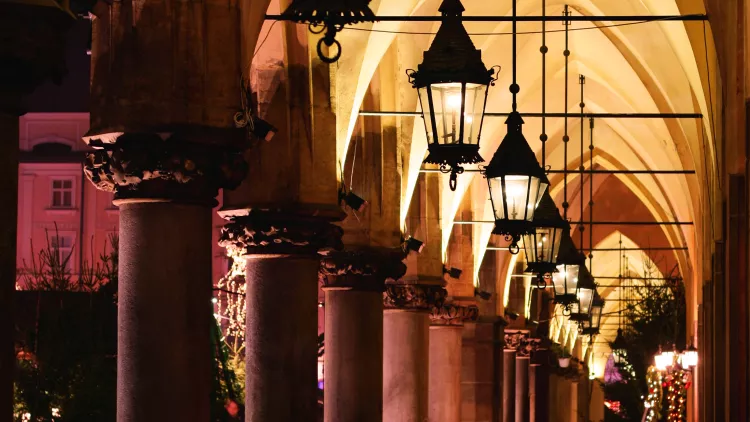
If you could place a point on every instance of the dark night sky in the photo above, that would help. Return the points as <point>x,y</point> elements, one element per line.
<point>73,94</point>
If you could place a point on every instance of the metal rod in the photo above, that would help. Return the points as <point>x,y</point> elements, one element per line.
<point>616,286</point>
<point>607,277</point>
<point>591,195</point>
<point>600,223</point>
<point>550,115</point>
<point>588,171</point>
<point>602,18</point>
<point>658,248</point>
<point>647,249</point>
<point>566,53</point>
<point>543,50</point>
<point>581,228</point>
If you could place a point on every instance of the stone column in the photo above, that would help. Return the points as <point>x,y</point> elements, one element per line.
<point>406,336</point>
<point>539,388</point>
<point>509,385</point>
<point>445,360</point>
<point>281,273</point>
<point>165,189</point>
<point>522,388</point>
<point>33,51</point>
<point>354,282</point>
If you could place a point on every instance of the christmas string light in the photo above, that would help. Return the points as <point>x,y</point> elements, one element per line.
<point>677,395</point>
<point>654,399</point>
<point>231,302</point>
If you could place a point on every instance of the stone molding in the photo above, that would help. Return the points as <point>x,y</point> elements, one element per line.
<point>162,166</point>
<point>522,343</point>
<point>262,232</point>
<point>451,314</point>
<point>421,297</point>
<point>364,269</point>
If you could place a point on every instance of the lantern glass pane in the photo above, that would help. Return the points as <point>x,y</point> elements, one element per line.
<point>542,245</point>
<point>585,296</point>
<point>520,196</point>
<point>447,101</point>
<point>596,315</point>
<point>565,280</point>
<point>475,95</point>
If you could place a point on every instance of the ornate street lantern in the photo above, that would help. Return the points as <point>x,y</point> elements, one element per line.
<point>592,324</point>
<point>329,16</point>
<point>581,308</point>
<point>517,183</point>
<point>619,346</point>
<point>689,358</point>
<point>515,178</point>
<point>542,245</point>
<point>565,279</point>
<point>452,83</point>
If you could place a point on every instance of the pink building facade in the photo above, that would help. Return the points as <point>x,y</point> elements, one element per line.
<point>56,201</point>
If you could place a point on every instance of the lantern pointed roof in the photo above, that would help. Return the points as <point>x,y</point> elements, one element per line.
<point>514,156</point>
<point>452,56</point>
<point>568,254</point>
<point>547,214</point>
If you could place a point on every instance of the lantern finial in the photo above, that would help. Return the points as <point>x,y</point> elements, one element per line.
<point>452,8</point>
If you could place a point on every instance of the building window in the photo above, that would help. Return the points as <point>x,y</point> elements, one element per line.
<point>62,246</point>
<point>62,193</point>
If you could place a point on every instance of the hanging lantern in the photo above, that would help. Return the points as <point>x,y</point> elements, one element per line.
<point>452,83</point>
<point>581,308</point>
<point>592,324</point>
<point>517,183</point>
<point>619,346</point>
<point>542,245</point>
<point>329,16</point>
<point>689,358</point>
<point>565,279</point>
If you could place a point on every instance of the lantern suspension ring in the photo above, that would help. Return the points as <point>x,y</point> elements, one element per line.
<point>329,17</point>
<point>452,83</point>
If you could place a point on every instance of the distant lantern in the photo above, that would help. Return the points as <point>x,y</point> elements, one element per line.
<point>565,279</point>
<point>689,357</point>
<point>584,295</point>
<point>452,83</point>
<point>516,182</point>
<point>329,16</point>
<point>620,346</point>
<point>593,323</point>
<point>542,244</point>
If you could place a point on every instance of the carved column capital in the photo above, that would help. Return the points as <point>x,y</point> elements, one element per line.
<point>262,232</point>
<point>522,343</point>
<point>409,296</point>
<point>451,314</point>
<point>365,269</point>
<point>163,166</point>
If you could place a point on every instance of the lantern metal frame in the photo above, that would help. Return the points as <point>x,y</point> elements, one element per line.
<point>329,17</point>
<point>585,290</point>
<point>542,245</point>
<point>593,323</point>
<point>619,346</point>
<point>451,73</point>
<point>571,261</point>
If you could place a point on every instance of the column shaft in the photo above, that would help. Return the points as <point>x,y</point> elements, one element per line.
<point>8,221</point>
<point>522,388</point>
<point>445,373</point>
<point>509,385</point>
<point>281,338</point>
<point>406,337</point>
<point>164,356</point>
<point>353,377</point>
<point>539,393</point>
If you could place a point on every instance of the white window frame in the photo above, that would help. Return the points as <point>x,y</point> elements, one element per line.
<point>72,189</point>
<point>66,250</point>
